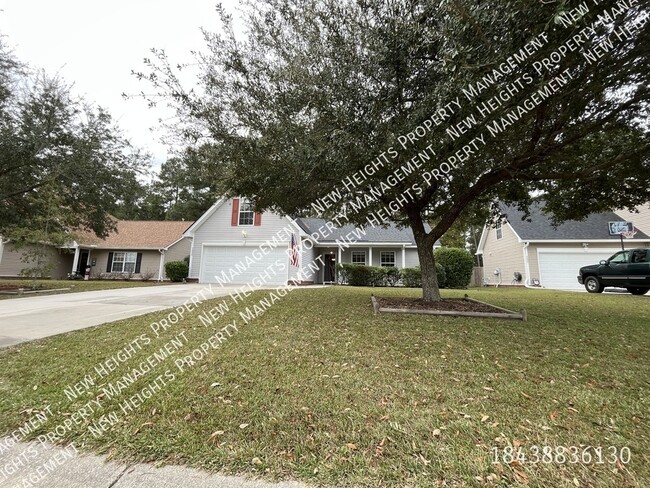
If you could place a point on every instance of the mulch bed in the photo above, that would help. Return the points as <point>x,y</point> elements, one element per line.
<point>447,304</point>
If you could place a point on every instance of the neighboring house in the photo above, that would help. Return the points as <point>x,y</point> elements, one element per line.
<point>225,239</point>
<point>553,256</point>
<point>138,249</point>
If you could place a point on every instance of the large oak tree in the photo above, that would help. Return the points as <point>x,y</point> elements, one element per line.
<point>313,90</point>
<point>64,165</point>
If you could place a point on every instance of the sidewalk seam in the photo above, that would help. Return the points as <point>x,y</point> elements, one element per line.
<point>118,477</point>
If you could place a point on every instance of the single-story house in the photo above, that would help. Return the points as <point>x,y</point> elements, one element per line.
<point>138,249</point>
<point>538,252</point>
<point>227,238</point>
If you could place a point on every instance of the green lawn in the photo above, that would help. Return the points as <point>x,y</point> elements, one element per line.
<point>74,285</point>
<point>318,389</point>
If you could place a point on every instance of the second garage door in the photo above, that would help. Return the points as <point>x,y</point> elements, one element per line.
<point>559,270</point>
<point>218,259</point>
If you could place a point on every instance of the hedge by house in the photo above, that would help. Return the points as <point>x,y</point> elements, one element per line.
<point>177,270</point>
<point>458,265</point>
<point>412,277</point>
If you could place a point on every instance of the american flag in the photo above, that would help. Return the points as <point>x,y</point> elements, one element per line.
<point>295,254</point>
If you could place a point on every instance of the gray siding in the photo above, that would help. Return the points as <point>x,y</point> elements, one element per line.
<point>412,259</point>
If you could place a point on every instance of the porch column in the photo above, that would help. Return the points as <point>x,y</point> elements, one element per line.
<point>369,256</point>
<point>75,261</point>
<point>340,256</point>
<point>160,267</point>
<point>403,257</point>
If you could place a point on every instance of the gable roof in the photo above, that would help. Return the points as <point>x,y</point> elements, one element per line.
<point>138,234</point>
<point>390,234</point>
<point>594,227</point>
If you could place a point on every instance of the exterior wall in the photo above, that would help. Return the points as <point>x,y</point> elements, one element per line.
<point>11,263</point>
<point>412,259</point>
<point>505,253</point>
<point>218,229</point>
<point>177,252</point>
<point>640,220</point>
<point>150,262</point>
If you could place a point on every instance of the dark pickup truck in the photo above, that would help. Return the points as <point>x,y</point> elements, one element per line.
<point>626,269</point>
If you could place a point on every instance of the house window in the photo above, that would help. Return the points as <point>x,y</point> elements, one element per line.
<point>387,258</point>
<point>124,262</point>
<point>499,231</point>
<point>246,213</point>
<point>359,257</point>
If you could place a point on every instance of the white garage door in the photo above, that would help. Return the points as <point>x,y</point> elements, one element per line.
<point>559,270</point>
<point>219,260</point>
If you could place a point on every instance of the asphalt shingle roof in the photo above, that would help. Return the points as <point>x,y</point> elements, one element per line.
<point>138,234</point>
<point>540,228</point>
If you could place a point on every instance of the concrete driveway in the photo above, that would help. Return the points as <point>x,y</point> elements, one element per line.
<point>29,318</point>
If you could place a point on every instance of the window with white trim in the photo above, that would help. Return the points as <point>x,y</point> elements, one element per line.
<point>124,262</point>
<point>387,259</point>
<point>246,213</point>
<point>359,257</point>
<point>499,231</point>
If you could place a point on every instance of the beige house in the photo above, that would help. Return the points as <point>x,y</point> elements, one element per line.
<point>136,249</point>
<point>540,254</point>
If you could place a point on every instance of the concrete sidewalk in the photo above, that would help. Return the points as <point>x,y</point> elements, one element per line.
<point>29,318</point>
<point>33,464</point>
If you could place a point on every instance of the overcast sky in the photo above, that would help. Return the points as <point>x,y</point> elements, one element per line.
<point>95,45</point>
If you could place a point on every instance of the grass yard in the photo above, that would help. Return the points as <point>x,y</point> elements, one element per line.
<point>74,285</point>
<point>320,390</point>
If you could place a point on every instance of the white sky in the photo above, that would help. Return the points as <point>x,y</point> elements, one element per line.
<point>95,45</point>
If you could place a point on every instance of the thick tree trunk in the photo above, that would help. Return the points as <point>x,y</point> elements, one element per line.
<point>430,290</point>
<point>424,242</point>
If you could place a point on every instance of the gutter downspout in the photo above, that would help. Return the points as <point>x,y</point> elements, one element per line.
<point>162,261</point>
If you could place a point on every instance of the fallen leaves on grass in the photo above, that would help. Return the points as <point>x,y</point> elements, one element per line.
<point>214,435</point>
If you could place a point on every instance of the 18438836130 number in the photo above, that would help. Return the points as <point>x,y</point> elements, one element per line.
<point>562,454</point>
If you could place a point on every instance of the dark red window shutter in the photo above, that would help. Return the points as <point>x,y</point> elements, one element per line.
<point>258,219</point>
<point>138,262</point>
<point>109,265</point>
<point>235,212</point>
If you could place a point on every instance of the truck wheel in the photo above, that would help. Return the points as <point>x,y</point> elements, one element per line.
<point>638,291</point>
<point>592,285</point>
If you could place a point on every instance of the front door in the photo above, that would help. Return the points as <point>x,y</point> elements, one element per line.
<point>83,262</point>
<point>329,272</point>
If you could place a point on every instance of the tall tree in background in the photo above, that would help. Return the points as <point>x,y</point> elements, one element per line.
<point>317,89</point>
<point>63,164</point>
<point>186,185</point>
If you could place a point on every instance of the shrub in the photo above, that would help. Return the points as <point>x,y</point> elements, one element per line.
<point>360,275</point>
<point>458,265</point>
<point>412,277</point>
<point>392,276</point>
<point>442,276</point>
<point>147,275</point>
<point>177,270</point>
